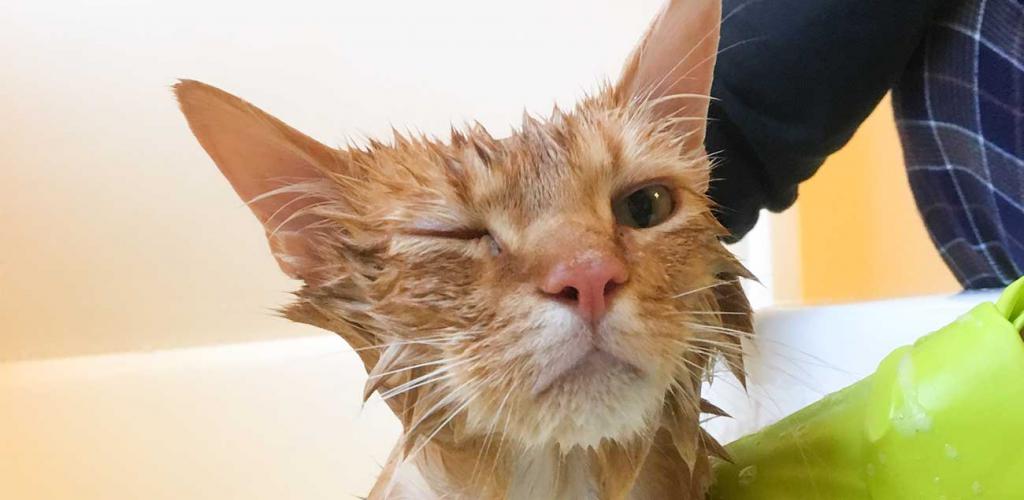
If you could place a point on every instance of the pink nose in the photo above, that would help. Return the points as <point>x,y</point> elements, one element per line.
<point>587,282</point>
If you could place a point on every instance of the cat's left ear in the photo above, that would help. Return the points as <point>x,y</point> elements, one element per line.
<point>269,164</point>
<point>673,65</point>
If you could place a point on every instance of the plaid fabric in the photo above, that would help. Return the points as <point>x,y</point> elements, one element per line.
<point>960,112</point>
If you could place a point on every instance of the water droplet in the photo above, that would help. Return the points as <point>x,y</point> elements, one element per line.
<point>976,488</point>
<point>748,474</point>
<point>910,417</point>
<point>881,458</point>
<point>871,469</point>
<point>936,480</point>
<point>951,452</point>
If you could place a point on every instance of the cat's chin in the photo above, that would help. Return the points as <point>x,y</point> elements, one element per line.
<point>601,409</point>
<point>587,386</point>
<point>579,403</point>
<point>575,372</point>
<point>599,397</point>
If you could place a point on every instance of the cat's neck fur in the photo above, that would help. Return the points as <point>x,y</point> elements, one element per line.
<point>646,470</point>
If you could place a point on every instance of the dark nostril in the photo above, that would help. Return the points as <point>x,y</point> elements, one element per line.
<point>611,287</point>
<point>570,294</point>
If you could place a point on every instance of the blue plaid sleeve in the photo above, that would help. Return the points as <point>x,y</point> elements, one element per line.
<point>960,113</point>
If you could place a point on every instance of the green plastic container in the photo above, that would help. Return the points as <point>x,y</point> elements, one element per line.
<point>941,419</point>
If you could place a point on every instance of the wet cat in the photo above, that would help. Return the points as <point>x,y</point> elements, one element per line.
<point>538,310</point>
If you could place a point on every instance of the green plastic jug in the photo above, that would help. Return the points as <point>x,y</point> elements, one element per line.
<point>942,419</point>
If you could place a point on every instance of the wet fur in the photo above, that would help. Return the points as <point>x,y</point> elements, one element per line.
<point>451,329</point>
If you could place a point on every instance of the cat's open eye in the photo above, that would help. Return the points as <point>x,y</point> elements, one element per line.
<point>648,206</point>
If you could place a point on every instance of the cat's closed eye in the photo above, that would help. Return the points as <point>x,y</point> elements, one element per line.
<point>459,233</point>
<point>644,207</point>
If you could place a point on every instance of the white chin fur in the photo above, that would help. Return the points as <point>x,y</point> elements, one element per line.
<point>614,408</point>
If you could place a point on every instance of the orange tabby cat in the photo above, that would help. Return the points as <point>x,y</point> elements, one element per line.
<point>538,310</point>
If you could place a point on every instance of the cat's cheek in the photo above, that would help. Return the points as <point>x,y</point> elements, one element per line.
<point>631,245</point>
<point>508,272</point>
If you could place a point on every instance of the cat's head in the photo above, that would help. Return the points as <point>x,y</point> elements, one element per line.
<point>560,285</point>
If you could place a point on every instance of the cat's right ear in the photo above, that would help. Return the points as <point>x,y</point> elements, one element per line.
<point>673,65</point>
<point>267,163</point>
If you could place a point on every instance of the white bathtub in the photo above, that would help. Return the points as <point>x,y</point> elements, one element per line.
<point>801,354</point>
<point>282,419</point>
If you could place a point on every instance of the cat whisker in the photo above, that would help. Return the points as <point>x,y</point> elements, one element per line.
<point>711,58</point>
<point>413,367</point>
<point>300,213</point>
<point>681,95</point>
<point>711,371</point>
<point>452,395</point>
<point>445,400</point>
<point>508,420</point>
<point>286,189</point>
<point>429,378</point>
<point>288,186</point>
<point>801,358</point>
<point>713,313</point>
<point>398,391</point>
<point>429,341</point>
<point>706,287</point>
<point>489,439</point>
<point>684,119</point>
<point>443,424</point>
<point>712,347</point>
<point>720,329</point>
<point>504,433</point>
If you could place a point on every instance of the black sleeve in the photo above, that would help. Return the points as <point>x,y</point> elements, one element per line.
<point>794,80</point>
